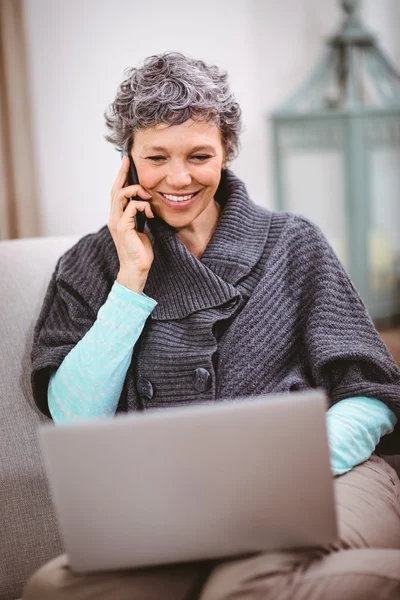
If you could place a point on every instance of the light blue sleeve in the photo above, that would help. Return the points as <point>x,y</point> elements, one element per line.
<point>90,379</point>
<point>354,427</point>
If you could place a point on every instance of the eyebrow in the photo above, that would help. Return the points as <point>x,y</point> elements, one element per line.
<point>204,148</point>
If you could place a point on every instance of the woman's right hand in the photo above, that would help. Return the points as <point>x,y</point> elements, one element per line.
<point>134,249</point>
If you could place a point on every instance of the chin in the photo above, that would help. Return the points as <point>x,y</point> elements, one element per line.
<point>177,222</point>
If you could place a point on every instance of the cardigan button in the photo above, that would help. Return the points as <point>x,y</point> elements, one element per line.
<point>201,380</point>
<point>145,388</point>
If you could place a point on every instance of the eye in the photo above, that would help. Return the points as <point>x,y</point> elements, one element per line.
<point>156,158</point>
<point>197,157</point>
<point>201,156</point>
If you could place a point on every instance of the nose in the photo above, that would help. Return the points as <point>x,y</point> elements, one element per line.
<point>178,175</point>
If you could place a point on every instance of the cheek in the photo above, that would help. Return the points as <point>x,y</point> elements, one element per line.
<point>211,176</point>
<point>148,177</point>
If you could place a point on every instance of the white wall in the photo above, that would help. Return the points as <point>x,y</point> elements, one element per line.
<point>79,49</point>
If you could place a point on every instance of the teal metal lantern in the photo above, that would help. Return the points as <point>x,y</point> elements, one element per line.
<point>336,147</point>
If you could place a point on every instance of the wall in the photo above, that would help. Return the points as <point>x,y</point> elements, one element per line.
<point>79,50</point>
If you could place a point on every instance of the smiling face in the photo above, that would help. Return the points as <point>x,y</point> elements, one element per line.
<point>175,162</point>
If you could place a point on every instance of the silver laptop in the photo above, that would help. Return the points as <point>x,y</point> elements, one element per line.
<point>192,483</point>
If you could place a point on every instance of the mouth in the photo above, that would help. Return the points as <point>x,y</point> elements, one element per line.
<point>181,201</point>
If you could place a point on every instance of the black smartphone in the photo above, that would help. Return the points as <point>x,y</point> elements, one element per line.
<point>140,218</point>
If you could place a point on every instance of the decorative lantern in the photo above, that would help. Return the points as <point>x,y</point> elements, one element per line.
<point>336,146</point>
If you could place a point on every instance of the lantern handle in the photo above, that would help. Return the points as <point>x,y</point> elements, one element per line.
<point>350,6</point>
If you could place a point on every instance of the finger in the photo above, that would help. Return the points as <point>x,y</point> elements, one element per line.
<point>134,207</point>
<point>121,177</point>
<point>121,198</point>
<point>127,221</point>
<point>134,190</point>
<point>118,205</point>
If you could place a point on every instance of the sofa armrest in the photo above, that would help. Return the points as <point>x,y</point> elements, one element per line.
<point>28,529</point>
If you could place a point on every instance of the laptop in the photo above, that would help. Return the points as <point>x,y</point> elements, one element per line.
<point>191,483</point>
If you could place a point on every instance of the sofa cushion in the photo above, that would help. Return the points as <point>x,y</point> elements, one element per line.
<point>28,530</point>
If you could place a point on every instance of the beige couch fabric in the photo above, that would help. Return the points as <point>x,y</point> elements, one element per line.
<point>28,531</point>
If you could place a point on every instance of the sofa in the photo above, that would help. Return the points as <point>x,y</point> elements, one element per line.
<point>28,530</point>
<point>29,534</point>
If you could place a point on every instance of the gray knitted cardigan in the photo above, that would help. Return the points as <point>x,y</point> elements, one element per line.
<point>267,308</point>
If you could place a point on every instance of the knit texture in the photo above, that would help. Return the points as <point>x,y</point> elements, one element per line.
<point>88,383</point>
<point>268,308</point>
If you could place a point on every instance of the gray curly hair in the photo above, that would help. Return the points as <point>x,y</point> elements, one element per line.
<point>172,88</point>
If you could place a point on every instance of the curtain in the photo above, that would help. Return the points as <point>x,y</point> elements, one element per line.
<point>18,195</point>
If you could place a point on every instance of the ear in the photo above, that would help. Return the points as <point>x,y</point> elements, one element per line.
<point>224,160</point>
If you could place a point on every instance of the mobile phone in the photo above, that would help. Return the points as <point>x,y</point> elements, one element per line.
<point>140,217</point>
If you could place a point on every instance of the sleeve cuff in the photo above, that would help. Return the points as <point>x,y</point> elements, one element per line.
<point>136,300</point>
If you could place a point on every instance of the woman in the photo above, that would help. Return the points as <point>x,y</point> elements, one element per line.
<point>217,298</point>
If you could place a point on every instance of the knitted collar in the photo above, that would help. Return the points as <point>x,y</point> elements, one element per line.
<point>183,284</point>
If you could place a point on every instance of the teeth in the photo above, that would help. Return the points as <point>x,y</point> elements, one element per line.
<point>178,198</point>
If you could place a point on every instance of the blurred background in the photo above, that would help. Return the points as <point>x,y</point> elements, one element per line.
<point>331,154</point>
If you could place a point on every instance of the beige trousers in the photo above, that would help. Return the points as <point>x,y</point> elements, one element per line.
<point>364,564</point>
